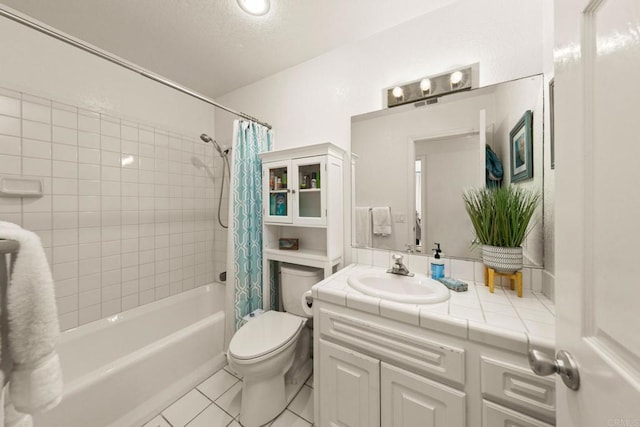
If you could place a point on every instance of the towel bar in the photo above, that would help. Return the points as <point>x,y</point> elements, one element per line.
<point>9,246</point>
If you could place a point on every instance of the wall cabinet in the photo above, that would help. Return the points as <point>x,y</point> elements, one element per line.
<point>296,194</point>
<point>302,198</point>
<point>373,371</point>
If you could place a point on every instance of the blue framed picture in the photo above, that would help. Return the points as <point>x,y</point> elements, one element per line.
<point>521,148</point>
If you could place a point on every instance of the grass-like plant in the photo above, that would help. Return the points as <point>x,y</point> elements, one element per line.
<point>500,216</point>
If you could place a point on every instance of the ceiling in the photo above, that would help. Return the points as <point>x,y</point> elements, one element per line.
<point>212,46</point>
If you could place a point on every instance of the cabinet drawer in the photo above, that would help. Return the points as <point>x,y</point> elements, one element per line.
<point>518,387</point>
<point>397,347</point>
<point>495,415</point>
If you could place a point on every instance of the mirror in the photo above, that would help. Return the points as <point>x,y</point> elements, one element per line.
<point>417,160</point>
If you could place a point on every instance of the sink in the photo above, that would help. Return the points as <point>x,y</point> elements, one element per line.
<point>418,289</point>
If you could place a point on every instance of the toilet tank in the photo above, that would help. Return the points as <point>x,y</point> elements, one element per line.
<point>295,280</point>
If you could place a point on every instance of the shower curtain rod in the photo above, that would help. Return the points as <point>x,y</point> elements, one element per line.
<point>87,48</point>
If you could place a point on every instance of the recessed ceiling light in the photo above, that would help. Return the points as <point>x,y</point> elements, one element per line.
<point>255,7</point>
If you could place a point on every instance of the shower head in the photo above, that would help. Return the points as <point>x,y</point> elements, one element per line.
<point>206,138</point>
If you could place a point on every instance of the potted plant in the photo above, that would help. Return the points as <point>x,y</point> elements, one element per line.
<point>500,218</point>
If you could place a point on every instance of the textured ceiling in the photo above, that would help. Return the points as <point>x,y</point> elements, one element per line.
<point>212,46</point>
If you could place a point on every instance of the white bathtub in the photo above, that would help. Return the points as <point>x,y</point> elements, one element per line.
<point>123,370</point>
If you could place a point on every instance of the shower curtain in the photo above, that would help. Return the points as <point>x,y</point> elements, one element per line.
<point>245,213</point>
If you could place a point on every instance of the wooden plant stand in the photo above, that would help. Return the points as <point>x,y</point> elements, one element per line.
<point>514,279</point>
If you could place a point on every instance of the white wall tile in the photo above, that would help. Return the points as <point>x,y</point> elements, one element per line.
<point>123,216</point>
<point>9,106</point>
<point>36,167</point>
<point>36,130</point>
<point>10,145</point>
<point>36,112</point>
<point>89,140</point>
<point>89,314</point>
<point>35,148</point>
<point>65,118</point>
<point>10,165</point>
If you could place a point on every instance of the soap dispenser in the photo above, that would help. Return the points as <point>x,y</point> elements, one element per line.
<point>437,266</point>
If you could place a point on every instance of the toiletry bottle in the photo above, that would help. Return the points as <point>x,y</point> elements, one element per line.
<point>318,180</point>
<point>313,180</point>
<point>272,181</point>
<point>284,179</point>
<point>303,183</point>
<point>281,205</point>
<point>437,266</point>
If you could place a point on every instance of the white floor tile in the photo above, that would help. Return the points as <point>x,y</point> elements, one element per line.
<point>217,384</point>
<point>186,409</point>
<point>289,419</point>
<point>232,372</point>
<point>234,424</point>
<point>211,417</point>
<point>230,400</point>
<point>157,422</point>
<point>310,381</point>
<point>302,404</point>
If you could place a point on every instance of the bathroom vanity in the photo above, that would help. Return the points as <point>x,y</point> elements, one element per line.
<point>384,363</point>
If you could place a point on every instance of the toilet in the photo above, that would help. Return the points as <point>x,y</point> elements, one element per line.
<point>273,351</point>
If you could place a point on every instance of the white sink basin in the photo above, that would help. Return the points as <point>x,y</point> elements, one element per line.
<point>418,289</point>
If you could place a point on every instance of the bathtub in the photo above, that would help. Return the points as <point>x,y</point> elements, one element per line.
<point>123,370</point>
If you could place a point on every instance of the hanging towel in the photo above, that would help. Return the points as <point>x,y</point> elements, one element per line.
<point>494,171</point>
<point>381,221</point>
<point>11,417</point>
<point>35,380</point>
<point>363,226</point>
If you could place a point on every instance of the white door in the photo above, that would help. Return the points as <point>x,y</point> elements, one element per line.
<point>597,208</point>
<point>349,388</point>
<point>409,400</point>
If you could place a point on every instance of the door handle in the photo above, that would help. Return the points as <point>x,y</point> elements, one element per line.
<point>564,365</point>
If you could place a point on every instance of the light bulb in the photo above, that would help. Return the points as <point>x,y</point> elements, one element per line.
<point>255,7</point>
<point>397,92</point>
<point>425,85</point>
<point>456,77</point>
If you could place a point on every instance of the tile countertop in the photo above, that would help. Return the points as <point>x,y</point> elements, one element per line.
<point>500,319</point>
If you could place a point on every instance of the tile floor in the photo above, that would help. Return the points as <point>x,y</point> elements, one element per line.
<point>216,403</point>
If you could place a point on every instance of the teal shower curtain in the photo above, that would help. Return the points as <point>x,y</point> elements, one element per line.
<point>246,201</point>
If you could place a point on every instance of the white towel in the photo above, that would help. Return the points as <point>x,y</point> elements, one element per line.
<point>35,381</point>
<point>363,226</point>
<point>11,417</point>
<point>381,221</point>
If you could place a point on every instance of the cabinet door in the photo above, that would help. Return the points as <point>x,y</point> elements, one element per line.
<point>409,400</point>
<point>310,195</point>
<point>276,192</point>
<point>349,386</point>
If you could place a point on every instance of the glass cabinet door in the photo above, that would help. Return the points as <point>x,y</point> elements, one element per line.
<point>277,192</point>
<point>310,200</point>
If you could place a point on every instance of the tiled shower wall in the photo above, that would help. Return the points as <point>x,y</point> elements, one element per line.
<point>128,212</point>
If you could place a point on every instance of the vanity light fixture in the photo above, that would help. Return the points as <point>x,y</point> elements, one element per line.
<point>433,86</point>
<point>425,86</point>
<point>255,7</point>
<point>397,93</point>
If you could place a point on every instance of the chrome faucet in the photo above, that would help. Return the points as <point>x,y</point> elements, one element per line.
<point>398,267</point>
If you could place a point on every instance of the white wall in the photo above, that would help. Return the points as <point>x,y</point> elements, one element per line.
<point>314,101</point>
<point>128,212</point>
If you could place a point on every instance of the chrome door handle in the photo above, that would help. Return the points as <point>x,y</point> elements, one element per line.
<point>564,365</point>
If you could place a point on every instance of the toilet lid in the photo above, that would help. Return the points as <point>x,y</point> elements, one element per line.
<point>264,334</point>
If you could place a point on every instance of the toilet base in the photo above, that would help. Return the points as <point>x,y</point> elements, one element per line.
<point>264,400</point>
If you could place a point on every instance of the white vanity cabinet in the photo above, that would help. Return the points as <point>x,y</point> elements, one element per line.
<point>372,370</point>
<point>351,393</point>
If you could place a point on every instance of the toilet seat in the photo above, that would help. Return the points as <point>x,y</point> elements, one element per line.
<point>264,335</point>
